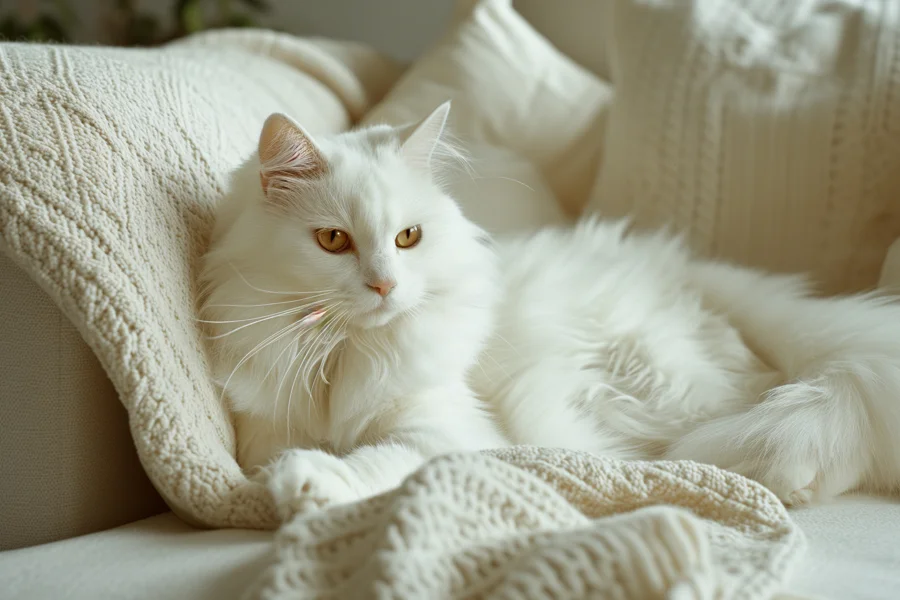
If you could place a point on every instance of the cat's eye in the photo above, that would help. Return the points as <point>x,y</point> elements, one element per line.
<point>408,237</point>
<point>333,240</point>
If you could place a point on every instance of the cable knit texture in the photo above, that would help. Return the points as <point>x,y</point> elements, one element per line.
<point>543,523</point>
<point>766,130</point>
<point>111,161</point>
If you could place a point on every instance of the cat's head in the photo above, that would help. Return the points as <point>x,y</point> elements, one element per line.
<point>361,219</point>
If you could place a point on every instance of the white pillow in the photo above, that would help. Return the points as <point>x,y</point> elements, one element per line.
<point>576,27</point>
<point>511,89</point>
<point>767,131</point>
<point>503,192</point>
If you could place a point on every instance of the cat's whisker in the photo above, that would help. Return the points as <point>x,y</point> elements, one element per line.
<point>293,343</point>
<point>258,320</point>
<point>263,290</point>
<point>297,326</point>
<point>300,330</point>
<point>487,354</point>
<point>308,354</point>
<point>309,297</point>
<point>270,339</point>
<point>500,177</point>
<point>505,341</point>
<point>345,318</point>
<point>287,371</point>
<point>331,329</point>
<point>303,352</point>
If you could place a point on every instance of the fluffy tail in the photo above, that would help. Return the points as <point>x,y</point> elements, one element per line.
<point>834,424</point>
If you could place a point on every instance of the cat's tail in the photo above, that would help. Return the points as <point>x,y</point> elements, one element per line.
<point>834,424</point>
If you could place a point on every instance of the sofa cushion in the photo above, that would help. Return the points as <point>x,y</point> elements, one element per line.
<point>766,131</point>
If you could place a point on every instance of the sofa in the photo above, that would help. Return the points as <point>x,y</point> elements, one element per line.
<point>766,133</point>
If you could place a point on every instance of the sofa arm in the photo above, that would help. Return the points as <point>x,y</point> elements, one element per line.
<point>67,461</point>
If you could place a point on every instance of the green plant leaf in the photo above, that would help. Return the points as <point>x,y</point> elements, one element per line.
<point>143,30</point>
<point>192,16</point>
<point>259,5</point>
<point>240,20</point>
<point>51,29</point>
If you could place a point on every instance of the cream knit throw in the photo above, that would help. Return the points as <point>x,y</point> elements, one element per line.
<point>111,162</point>
<point>543,523</point>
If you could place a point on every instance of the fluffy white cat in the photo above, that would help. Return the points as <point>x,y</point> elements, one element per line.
<point>362,324</point>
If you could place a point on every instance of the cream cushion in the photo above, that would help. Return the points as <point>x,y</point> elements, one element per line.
<point>510,88</point>
<point>109,173</point>
<point>766,131</point>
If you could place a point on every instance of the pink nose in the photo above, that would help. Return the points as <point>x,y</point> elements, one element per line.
<point>383,288</point>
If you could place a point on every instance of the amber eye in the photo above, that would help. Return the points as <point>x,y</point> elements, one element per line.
<point>408,237</point>
<point>333,240</point>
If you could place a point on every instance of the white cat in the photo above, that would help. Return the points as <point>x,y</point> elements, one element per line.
<point>362,325</point>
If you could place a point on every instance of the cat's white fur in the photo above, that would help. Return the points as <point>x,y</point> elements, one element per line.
<point>591,337</point>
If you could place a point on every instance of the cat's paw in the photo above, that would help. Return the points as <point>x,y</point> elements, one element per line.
<point>306,480</point>
<point>794,486</point>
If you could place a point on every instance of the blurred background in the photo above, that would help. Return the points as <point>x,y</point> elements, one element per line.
<point>399,28</point>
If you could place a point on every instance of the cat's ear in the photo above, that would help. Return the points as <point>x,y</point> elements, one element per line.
<point>287,152</point>
<point>418,142</point>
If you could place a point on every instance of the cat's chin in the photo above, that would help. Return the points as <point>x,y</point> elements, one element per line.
<point>378,317</point>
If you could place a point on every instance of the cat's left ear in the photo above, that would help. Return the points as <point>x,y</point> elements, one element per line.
<point>418,142</point>
<point>287,152</point>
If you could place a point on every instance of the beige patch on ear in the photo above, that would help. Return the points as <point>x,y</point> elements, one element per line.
<point>287,152</point>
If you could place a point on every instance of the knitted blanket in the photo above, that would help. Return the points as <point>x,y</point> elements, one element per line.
<point>543,523</point>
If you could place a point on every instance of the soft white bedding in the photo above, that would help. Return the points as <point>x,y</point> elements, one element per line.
<point>853,549</point>
<point>853,552</point>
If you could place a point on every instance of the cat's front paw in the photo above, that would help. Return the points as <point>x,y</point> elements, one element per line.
<point>307,480</point>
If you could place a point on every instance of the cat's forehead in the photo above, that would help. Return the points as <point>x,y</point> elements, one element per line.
<point>376,191</point>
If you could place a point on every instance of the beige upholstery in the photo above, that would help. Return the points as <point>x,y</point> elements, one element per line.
<point>68,464</point>
<point>160,558</point>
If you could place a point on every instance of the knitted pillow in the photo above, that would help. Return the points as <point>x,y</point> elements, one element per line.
<point>511,89</point>
<point>769,132</point>
<point>110,164</point>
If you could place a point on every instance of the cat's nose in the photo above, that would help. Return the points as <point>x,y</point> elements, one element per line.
<point>383,288</point>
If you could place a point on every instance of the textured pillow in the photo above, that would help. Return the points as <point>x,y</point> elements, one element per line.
<point>511,89</point>
<point>769,132</point>
<point>110,164</point>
